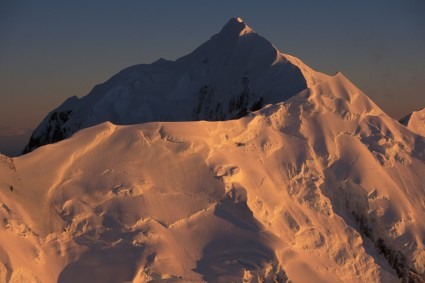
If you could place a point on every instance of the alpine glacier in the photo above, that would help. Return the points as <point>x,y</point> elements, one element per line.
<point>319,185</point>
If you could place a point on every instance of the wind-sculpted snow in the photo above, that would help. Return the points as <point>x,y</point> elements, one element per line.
<point>322,188</point>
<point>233,73</point>
<point>415,121</point>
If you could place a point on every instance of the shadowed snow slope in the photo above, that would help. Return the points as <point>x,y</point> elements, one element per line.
<point>322,188</point>
<point>415,122</point>
<point>233,73</point>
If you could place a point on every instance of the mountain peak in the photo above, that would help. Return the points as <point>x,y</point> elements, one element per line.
<point>236,25</point>
<point>235,72</point>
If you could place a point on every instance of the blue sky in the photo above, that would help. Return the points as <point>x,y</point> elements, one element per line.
<point>50,50</point>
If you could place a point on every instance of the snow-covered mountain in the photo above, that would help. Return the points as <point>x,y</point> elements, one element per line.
<point>324,187</point>
<point>415,121</point>
<point>318,185</point>
<point>233,73</point>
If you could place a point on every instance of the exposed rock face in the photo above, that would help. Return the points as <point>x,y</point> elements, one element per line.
<point>54,132</point>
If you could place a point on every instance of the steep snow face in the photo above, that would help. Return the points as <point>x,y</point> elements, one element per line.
<point>322,188</point>
<point>415,122</point>
<point>233,73</point>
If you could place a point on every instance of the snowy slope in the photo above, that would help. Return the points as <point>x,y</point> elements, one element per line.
<point>234,72</point>
<point>415,122</point>
<point>322,188</point>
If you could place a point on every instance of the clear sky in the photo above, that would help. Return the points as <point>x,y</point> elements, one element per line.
<point>50,50</point>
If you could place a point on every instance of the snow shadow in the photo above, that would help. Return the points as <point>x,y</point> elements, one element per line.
<point>241,247</point>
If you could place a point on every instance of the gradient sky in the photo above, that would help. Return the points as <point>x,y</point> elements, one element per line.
<point>50,50</point>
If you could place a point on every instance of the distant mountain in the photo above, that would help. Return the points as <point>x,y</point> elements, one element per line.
<point>233,73</point>
<point>415,121</point>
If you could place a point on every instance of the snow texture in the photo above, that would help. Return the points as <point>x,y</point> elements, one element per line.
<point>323,187</point>
<point>415,121</point>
